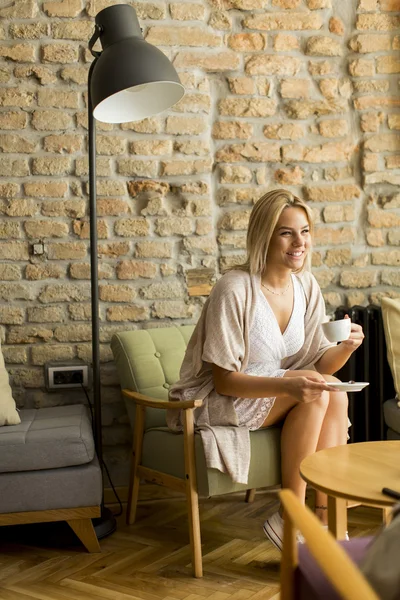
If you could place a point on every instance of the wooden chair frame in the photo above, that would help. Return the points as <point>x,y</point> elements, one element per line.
<point>187,486</point>
<point>79,519</point>
<point>339,569</point>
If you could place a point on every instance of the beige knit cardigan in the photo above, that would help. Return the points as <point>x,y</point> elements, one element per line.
<point>221,337</point>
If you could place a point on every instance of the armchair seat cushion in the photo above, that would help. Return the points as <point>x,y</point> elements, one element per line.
<point>311,583</point>
<point>47,438</point>
<point>148,361</point>
<point>163,451</point>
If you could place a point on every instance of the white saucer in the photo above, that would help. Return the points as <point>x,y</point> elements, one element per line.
<point>357,386</point>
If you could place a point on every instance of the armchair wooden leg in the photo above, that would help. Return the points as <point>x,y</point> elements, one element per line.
<point>84,530</point>
<point>250,495</point>
<point>136,459</point>
<point>191,493</point>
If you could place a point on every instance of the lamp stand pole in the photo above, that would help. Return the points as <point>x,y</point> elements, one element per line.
<point>126,62</point>
<point>106,523</point>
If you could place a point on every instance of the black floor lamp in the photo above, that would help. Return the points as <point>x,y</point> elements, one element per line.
<point>128,80</point>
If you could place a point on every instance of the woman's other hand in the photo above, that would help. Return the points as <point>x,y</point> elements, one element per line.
<point>356,337</point>
<point>307,389</point>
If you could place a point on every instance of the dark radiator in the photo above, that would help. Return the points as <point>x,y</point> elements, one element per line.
<point>367,363</point>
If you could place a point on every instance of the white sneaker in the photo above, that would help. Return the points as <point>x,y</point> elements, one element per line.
<point>273,529</point>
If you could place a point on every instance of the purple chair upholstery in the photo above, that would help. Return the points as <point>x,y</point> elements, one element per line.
<point>311,583</point>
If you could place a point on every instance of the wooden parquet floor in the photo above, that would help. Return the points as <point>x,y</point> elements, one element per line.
<point>151,559</point>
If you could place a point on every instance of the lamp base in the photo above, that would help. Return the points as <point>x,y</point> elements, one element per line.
<point>104,525</point>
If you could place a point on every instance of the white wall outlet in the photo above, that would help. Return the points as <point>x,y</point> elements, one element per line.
<point>66,376</point>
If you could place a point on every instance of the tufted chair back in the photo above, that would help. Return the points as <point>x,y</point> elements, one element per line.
<point>148,361</point>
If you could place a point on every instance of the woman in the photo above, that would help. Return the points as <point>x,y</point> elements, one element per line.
<point>258,355</point>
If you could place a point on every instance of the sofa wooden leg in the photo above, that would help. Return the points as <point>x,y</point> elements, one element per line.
<point>84,530</point>
<point>191,493</point>
<point>250,495</point>
<point>136,459</point>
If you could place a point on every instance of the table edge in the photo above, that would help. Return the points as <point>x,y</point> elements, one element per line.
<point>359,498</point>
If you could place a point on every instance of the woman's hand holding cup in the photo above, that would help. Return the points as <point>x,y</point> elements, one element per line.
<point>356,336</point>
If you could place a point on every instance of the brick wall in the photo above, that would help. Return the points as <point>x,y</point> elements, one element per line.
<point>294,93</point>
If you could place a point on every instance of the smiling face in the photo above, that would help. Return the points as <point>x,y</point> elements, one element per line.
<point>291,240</point>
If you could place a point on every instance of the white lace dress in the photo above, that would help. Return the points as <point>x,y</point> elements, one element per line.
<point>268,347</point>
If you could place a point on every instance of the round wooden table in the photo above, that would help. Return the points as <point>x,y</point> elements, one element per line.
<point>355,472</point>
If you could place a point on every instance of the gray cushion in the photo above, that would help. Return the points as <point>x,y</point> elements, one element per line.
<point>47,438</point>
<point>392,414</point>
<point>71,487</point>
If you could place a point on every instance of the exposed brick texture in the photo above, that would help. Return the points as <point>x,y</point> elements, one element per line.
<point>295,93</point>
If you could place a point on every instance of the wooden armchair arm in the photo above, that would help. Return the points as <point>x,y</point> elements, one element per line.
<point>339,569</point>
<point>149,402</point>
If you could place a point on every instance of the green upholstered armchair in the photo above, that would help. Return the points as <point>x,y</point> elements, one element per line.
<point>148,362</point>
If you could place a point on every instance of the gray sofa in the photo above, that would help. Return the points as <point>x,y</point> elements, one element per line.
<point>49,471</point>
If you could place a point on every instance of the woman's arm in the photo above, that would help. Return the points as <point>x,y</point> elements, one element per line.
<point>333,359</point>
<point>240,385</point>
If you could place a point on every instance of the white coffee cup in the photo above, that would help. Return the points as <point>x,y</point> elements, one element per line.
<point>337,331</point>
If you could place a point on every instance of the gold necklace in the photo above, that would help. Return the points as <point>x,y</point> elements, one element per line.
<point>277,293</point>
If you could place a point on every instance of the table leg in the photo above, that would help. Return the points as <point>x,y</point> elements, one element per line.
<point>386,515</point>
<point>337,517</point>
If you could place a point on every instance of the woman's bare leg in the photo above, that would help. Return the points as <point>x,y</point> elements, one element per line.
<point>300,433</point>
<point>333,433</point>
<point>308,428</point>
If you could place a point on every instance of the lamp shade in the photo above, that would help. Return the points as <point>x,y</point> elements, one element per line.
<point>131,79</point>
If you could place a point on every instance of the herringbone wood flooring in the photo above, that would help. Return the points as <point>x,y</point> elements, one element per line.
<point>151,559</point>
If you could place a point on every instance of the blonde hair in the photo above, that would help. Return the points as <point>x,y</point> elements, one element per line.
<point>263,220</point>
